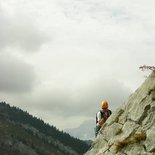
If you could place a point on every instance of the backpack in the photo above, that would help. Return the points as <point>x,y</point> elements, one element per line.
<point>104,115</point>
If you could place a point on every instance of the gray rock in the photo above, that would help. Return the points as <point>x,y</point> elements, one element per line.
<point>130,129</point>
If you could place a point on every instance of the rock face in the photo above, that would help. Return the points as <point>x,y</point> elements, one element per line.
<point>131,129</point>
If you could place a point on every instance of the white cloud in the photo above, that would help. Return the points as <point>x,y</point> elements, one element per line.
<point>16,75</point>
<point>19,31</point>
<point>69,102</point>
<point>95,51</point>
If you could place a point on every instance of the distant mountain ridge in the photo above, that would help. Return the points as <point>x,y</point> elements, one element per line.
<point>84,132</point>
<point>24,134</point>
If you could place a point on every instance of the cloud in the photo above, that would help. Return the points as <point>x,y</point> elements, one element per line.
<point>119,24</point>
<point>97,47</point>
<point>103,11</point>
<point>108,11</point>
<point>82,100</point>
<point>17,30</point>
<point>62,105</point>
<point>16,75</point>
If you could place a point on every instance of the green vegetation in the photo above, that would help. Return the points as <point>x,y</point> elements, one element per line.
<point>18,128</point>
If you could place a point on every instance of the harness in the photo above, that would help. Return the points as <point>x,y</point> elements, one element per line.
<point>104,115</point>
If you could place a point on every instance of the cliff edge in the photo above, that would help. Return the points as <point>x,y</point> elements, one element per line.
<point>131,128</point>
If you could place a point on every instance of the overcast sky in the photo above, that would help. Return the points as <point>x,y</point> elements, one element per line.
<point>60,58</point>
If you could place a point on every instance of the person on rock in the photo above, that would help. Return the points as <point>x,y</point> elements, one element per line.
<point>102,116</point>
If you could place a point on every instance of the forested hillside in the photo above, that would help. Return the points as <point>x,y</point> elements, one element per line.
<point>22,133</point>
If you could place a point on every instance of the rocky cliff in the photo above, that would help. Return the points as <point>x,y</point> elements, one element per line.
<point>131,128</point>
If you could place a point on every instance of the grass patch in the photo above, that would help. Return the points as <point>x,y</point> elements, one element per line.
<point>121,144</point>
<point>118,131</point>
<point>139,136</point>
<point>135,138</point>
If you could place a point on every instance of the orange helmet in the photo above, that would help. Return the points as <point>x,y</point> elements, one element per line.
<point>104,104</point>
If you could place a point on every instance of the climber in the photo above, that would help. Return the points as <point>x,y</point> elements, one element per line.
<point>102,116</point>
